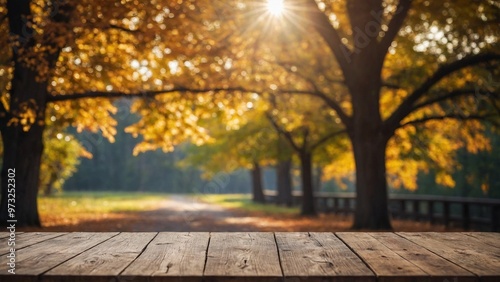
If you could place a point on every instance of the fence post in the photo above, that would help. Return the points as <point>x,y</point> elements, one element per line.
<point>430,212</point>
<point>321,204</point>
<point>415,209</point>
<point>495,218</point>
<point>347,206</point>
<point>446,213</point>
<point>402,209</point>
<point>336,205</point>
<point>465,216</point>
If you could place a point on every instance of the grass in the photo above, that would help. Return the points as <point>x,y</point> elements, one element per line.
<point>243,202</point>
<point>83,209</point>
<point>77,203</point>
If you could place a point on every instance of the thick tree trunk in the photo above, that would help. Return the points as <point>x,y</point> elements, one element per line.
<point>369,141</point>
<point>371,185</point>
<point>308,207</point>
<point>284,182</point>
<point>257,190</point>
<point>369,137</point>
<point>23,150</point>
<point>23,147</point>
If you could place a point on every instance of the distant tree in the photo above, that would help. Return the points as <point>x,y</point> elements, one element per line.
<point>283,173</point>
<point>306,126</point>
<point>236,143</point>
<point>60,160</point>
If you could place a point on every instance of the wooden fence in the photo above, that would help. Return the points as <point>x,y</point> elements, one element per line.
<point>468,212</point>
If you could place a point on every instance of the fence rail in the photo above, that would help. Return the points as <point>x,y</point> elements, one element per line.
<point>445,210</point>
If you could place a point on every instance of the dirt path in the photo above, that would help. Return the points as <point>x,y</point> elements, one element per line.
<point>176,213</point>
<point>181,213</point>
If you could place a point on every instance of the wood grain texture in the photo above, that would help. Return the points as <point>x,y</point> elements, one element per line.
<point>24,240</point>
<point>39,258</point>
<point>4,234</point>
<point>437,267</point>
<point>484,262</point>
<point>174,256</point>
<point>242,256</point>
<point>387,264</point>
<point>169,256</point>
<point>465,242</point>
<point>490,238</point>
<point>104,261</point>
<point>319,257</point>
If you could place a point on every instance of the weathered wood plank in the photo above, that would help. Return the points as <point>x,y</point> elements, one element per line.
<point>466,242</point>
<point>254,257</point>
<point>490,238</point>
<point>24,240</point>
<point>242,256</point>
<point>461,252</point>
<point>104,261</point>
<point>387,265</point>
<point>437,267</point>
<point>319,257</point>
<point>4,235</point>
<point>170,256</point>
<point>36,259</point>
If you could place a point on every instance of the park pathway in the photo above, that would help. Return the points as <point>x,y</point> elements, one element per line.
<point>181,213</point>
<point>185,213</point>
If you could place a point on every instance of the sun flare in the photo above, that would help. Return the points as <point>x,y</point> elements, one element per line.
<point>275,7</point>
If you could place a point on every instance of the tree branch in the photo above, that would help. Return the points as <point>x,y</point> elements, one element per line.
<point>2,18</point>
<point>305,138</point>
<point>330,35</point>
<point>448,116</point>
<point>318,93</point>
<point>153,93</point>
<point>450,95</point>
<point>326,138</point>
<point>444,70</point>
<point>117,27</point>
<point>394,26</point>
<point>148,94</point>
<point>391,86</point>
<point>283,132</point>
<point>4,115</point>
<point>144,94</point>
<point>346,120</point>
<point>494,104</point>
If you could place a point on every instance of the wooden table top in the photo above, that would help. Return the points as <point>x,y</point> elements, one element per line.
<point>252,256</point>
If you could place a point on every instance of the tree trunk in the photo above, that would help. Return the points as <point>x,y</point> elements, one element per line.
<point>369,137</point>
<point>369,142</point>
<point>371,184</point>
<point>23,147</point>
<point>257,190</point>
<point>49,188</point>
<point>284,183</point>
<point>23,150</point>
<point>308,207</point>
<point>317,178</point>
